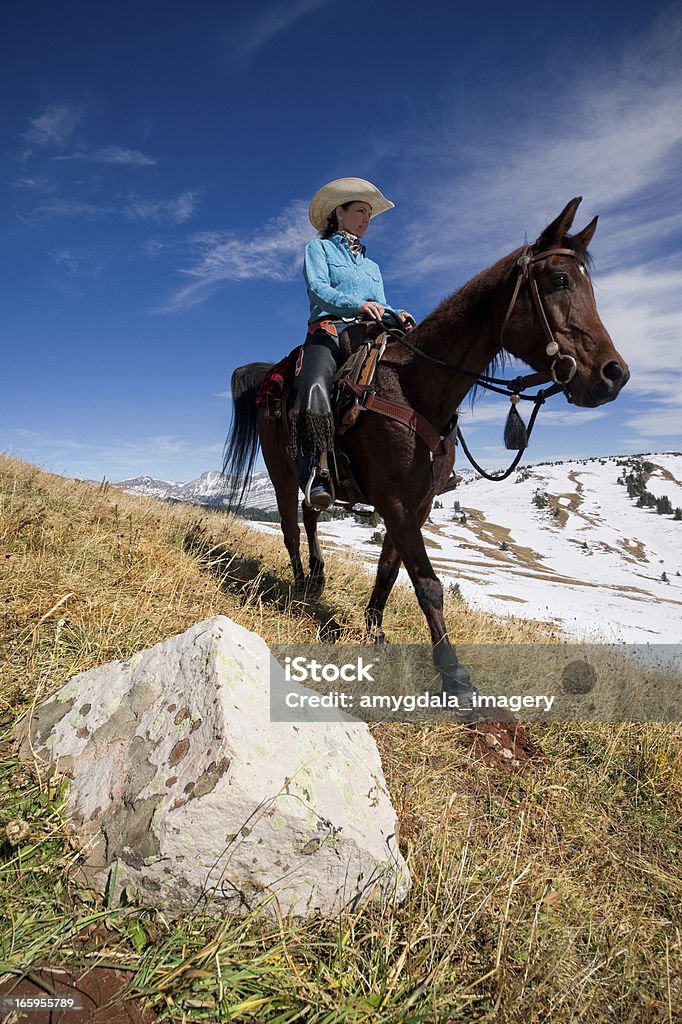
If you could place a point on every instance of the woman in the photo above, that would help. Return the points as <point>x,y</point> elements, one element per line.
<point>342,284</point>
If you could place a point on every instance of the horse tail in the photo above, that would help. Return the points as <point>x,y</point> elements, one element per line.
<point>241,445</point>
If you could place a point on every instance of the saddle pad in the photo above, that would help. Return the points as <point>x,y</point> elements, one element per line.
<point>278,378</point>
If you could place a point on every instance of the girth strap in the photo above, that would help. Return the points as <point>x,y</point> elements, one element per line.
<point>402,413</point>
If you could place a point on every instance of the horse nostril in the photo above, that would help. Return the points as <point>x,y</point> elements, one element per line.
<point>612,372</point>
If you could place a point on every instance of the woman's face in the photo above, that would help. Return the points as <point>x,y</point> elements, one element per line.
<point>355,219</point>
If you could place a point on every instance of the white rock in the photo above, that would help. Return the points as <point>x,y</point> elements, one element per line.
<point>202,803</point>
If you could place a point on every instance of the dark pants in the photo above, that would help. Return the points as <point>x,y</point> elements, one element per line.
<point>311,411</point>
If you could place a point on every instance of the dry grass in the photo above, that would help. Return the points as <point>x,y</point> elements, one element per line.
<point>551,896</point>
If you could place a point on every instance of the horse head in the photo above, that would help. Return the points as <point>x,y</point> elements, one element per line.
<point>552,321</point>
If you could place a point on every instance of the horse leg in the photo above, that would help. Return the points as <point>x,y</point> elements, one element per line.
<point>387,573</point>
<point>283,475</point>
<point>405,530</point>
<point>310,517</point>
<point>287,503</point>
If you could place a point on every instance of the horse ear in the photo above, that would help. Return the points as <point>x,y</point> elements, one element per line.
<point>583,239</point>
<point>554,232</point>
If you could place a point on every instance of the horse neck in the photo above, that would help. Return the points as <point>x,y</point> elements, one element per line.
<point>464,331</point>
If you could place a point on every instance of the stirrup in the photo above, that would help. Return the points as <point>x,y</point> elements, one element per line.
<point>316,472</point>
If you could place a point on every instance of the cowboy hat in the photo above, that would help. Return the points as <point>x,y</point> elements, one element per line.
<point>345,190</point>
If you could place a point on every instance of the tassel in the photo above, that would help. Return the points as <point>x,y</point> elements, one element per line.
<point>515,436</point>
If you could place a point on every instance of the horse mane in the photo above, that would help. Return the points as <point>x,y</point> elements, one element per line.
<point>479,295</point>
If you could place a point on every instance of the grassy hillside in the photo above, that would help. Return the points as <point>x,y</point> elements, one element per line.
<point>552,895</point>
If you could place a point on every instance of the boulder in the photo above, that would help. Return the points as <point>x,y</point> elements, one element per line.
<point>184,789</point>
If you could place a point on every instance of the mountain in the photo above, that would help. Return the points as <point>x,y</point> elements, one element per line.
<point>208,489</point>
<point>211,489</point>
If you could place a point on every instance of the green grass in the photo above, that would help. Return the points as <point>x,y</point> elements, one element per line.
<point>548,896</point>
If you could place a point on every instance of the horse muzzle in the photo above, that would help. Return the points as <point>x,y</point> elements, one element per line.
<point>603,385</point>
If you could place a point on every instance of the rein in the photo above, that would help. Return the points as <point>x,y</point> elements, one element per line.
<point>512,388</point>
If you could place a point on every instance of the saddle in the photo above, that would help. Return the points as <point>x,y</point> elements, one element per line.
<point>354,378</point>
<point>353,393</point>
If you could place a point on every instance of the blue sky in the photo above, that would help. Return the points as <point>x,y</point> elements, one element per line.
<point>157,162</point>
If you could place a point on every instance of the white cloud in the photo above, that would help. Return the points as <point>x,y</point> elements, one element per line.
<point>642,310</point>
<point>38,184</point>
<point>274,252</point>
<point>614,138</point>
<point>65,258</point>
<point>492,413</point>
<point>160,211</point>
<point>86,260</point>
<point>268,23</point>
<point>158,456</point>
<point>154,248</point>
<point>111,155</point>
<point>62,207</point>
<point>54,126</point>
<point>177,210</point>
<point>662,421</point>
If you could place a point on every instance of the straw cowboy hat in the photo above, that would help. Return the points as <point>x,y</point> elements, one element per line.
<point>345,190</point>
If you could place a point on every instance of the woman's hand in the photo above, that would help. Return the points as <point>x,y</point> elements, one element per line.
<point>373,309</point>
<point>407,319</point>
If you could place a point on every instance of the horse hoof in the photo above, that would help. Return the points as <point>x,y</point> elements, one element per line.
<point>457,681</point>
<point>315,584</point>
<point>379,639</point>
<point>466,710</point>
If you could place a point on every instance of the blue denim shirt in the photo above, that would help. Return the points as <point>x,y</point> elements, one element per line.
<point>339,282</point>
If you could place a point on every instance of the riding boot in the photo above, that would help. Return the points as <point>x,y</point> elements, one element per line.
<point>311,420</point>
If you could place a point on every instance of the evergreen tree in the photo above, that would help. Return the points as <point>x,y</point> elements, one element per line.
<point>664,506</point>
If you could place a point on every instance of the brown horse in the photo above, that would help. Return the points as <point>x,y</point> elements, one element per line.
<point>538,304</point>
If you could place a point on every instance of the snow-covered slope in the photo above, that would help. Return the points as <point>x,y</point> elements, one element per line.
<point>590,560</point>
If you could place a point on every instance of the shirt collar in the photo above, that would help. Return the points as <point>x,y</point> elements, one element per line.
<point>351,242</point>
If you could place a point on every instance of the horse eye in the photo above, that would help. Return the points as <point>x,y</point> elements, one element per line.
<point>560,280</point>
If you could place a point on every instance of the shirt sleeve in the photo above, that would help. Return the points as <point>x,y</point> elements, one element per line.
<point>320,289</point>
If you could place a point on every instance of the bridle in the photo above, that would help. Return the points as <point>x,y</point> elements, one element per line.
<point>525,263</point>
<point>513,389</point>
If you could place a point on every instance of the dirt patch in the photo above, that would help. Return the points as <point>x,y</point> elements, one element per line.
<point>508,597</point>
<point>573,477</point>
<point>522,572</point>
<point>634,550</point>
<point>665,473</point>
<point>100,991</point>
<point>573,500</point>
<point>495,535</point>
<point>504,745</point>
